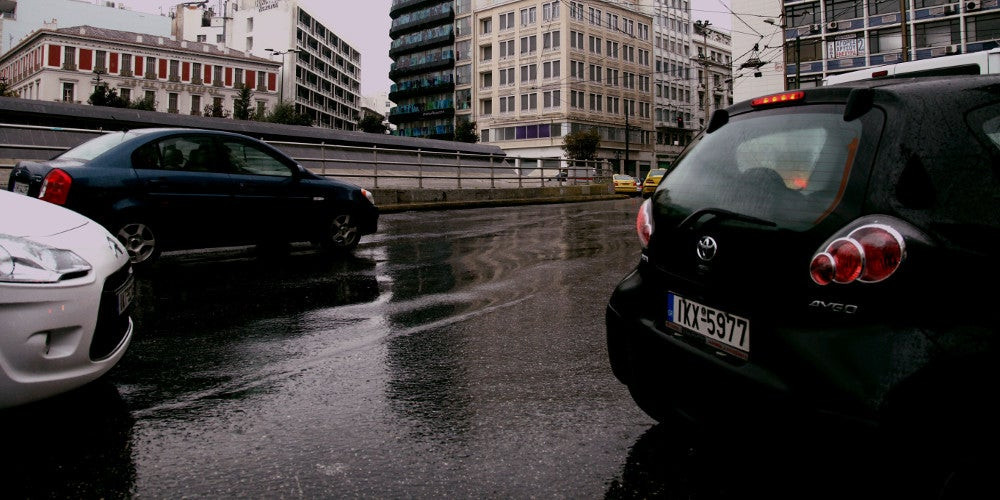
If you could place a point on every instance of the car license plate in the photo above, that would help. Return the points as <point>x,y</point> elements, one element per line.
<point>727,332</point>
<point>125,294</point>
<point>20,188</point>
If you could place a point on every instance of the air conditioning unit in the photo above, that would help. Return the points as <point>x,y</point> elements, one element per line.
<point>953,49</point>
<point>970,6</point>
<point>814,28</point>
<point>832,25</point>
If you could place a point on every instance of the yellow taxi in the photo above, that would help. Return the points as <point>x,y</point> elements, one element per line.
<point>625,184</point>
<point>652,180</point>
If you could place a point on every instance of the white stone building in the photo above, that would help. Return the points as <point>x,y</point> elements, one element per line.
<point>180,77</point>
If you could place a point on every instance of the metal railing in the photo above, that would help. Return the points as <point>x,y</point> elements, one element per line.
<point>369,166</point>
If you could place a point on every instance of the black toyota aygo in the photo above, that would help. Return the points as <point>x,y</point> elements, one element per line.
<point>830,254</point>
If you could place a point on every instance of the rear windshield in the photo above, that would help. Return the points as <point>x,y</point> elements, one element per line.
<point>98,145</point>
<point>786,166</point>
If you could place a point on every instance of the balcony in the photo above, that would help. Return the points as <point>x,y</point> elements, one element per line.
<point>423,40</point>
<point>414,20</point>
<point>400,6</point>
<point>422,86</point>
<point>412,112</point>
<point>426,65</point>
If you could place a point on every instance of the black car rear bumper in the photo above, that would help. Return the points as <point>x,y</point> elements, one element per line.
<point>837,373</point>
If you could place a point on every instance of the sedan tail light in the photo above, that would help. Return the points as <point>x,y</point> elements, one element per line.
<point>55,187</point>
<point>868,253</point>
<point>644,222</point>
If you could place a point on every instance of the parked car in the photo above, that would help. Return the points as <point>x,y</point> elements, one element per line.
<point>160,189</point>
<point>66,291</point>
<point>828,251</point>
<point>625,184</point>
<point>652,180</point>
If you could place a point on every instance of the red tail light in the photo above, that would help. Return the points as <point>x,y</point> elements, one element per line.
<point>55,187</point>
<point>644,222</point>
<point>868,254</point>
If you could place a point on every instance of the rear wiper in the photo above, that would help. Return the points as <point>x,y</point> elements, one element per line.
<point>724,214</point>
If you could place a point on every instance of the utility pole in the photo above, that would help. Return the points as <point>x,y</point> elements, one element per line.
<point>703,26</point>
<point>903,32</point>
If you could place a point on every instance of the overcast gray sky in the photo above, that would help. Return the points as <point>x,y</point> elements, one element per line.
<point>365,25</point>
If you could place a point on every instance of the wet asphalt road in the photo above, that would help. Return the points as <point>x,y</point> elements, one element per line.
<point>458,353</point>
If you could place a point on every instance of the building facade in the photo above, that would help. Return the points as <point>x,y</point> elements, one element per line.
<point>713,60</point>
<point>320,71</point>
<point>546,68</point>
<point>825,37</point>
<point>674,78</point>
<point>20,18</point>
<point>424,54</point>
<point>178,77</point>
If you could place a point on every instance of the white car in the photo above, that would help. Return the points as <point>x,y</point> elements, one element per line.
<point>66,288</point>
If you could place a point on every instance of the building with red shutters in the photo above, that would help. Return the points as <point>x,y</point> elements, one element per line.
<point>185,77</point>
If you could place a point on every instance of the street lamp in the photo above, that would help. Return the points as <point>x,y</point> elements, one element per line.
<point>281,72</point>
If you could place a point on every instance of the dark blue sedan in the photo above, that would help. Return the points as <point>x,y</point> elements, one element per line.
<point>164,189</point>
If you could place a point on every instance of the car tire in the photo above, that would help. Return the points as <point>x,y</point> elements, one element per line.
<point>140,240</point>
<point>341,234</point>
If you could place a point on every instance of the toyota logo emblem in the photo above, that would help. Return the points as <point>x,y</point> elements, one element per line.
<point>707,247</point>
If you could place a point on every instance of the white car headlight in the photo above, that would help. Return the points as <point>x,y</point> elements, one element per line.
<point>24,261</point>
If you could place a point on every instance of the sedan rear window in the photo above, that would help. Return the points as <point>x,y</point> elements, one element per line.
<point>98,145</point>
<point>785,167</point>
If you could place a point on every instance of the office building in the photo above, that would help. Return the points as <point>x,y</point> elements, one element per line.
<point>824,37</point>
<point>545,68</point>
<point>320,71</point>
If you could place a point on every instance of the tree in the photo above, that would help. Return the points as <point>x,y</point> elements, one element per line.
<point>466,132</point>
<point>284,112</point>
<point>106,96</point>
<point>144,103</point>
<point>582,144</point>
<point>241,106</point>
<point>5,90</point>
<point>372,123</point>
<point>215,110</point>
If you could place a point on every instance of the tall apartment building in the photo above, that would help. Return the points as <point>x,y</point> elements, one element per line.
<point>824,37</point>
<point>546,68</point>
<point>423,72</point>
<point>674,78</point>
<point>320,71</point>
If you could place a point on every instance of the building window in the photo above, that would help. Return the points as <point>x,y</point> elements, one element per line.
<point>100,61</point>
<point>550,11</point>
<point>202,38</point>
<point>576,40</point>
<point>506,77</point>
<point>550,69</point>
<point>937,33</point>
<point>463,26</point>
<point>486,107</point>
<point>195,104</point>
<point>249,24</point>
<point>595,102</point>
<point>506,49</point>
<point>175,70</point>
<point>486,53</point>
<point>577,99</point>
<point>507,21</point>
<point>196,73</point>
<point>528,16</point>
<point>550,40</point>
<point>125,94</point>
<point>261,80</point>
<point>238,78</point>
<point>217,75</point>
<point>172,102</point>
<point>249,44</point>
<point>486,26</point>
<point>529,73</point>
<point>126,69</point>
<point>595,45</point>
<point>220,38</point>
<point>70,61</point>
<point>151,68</point>
<point>529,101</point>
<point>150,97</point>
<point>576,70</point>
<point>507,104</point>
<point>550,99</point>
<point>68,93</point>
<point>486,80</point>
<point>529,44</point>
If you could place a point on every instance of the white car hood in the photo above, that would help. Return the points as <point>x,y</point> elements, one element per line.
<point>26,217</point>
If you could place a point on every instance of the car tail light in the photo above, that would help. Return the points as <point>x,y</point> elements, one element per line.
<point>782,98</point>
<point>644,222</point>
<point>868,254</point>
<point>55,187</point>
